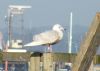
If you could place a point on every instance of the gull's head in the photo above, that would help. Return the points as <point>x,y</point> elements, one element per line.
<point>58,27</point>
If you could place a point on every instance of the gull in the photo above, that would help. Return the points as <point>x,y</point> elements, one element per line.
<point>48,37</point>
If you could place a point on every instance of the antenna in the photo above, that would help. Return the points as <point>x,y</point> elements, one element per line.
<point>70,34</point>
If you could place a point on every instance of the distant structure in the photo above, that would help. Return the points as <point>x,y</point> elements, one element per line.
<point>15,43</point>
<point>14,10</point>
<point>70,35</point>
<point>1,42</point>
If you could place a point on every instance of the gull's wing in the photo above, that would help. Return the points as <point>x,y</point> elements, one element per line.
<point>48,37</point>
<point>34,43</point>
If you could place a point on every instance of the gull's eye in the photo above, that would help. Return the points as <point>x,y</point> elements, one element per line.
<point>59,27</point>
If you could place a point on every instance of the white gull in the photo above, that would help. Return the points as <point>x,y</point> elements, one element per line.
<point>48,37</point>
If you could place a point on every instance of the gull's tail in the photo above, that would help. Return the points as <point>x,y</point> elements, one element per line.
<point>34,43</point>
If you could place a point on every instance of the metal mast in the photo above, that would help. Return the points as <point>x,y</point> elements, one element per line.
<point>70,34</point>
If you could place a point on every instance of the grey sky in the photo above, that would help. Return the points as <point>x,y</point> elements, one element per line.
<point>46,13</point>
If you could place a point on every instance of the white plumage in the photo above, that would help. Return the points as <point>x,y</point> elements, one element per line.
<point>49,37</point>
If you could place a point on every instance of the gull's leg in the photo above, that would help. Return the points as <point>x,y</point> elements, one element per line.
<point>49,48</point>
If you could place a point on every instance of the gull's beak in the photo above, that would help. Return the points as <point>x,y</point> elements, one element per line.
<point>63,29</point>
